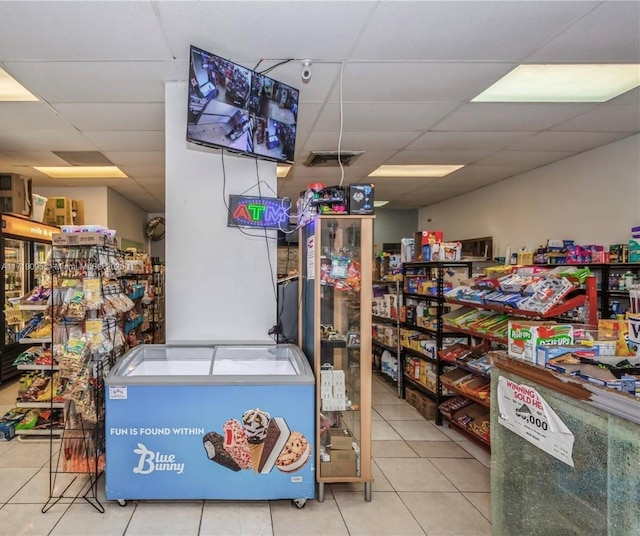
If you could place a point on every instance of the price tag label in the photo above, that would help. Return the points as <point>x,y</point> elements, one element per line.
<point>117,392</point>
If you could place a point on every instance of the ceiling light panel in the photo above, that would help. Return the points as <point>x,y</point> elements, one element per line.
<point>282,171</point>
<point>12,91</point>
<point>82,172</point>
<point>563,83</point>
<point>415,171</point>
<point>378,204</point>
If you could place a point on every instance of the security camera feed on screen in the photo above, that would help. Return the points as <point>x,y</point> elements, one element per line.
<point>236,108</point>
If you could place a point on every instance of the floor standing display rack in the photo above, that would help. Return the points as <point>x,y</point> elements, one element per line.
<point>424,306</point>
<point>385,316</point>
<point>335,333</point>
<point>87,309</point>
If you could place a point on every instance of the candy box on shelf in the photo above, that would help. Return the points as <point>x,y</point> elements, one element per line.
<point>431,237</point>
<point>550,356</point>
<point>619,253</point>
<point>450,251</point>
<point>634,250</point>
<point>525,336</point>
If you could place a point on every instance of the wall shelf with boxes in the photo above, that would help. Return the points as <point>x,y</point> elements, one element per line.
<point>423,333</point>
<point>385,318</point>
<point>335,333</point>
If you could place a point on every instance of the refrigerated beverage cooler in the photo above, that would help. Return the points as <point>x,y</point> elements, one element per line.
<point>210,422</point>
<point>24,248</point>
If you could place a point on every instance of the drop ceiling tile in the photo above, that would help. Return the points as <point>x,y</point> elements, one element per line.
<point>29,115</point>
<point>523,158</point>
<point>31,158</point>
<point>504,31</point>
<point>609,33</point>
<point>417,82</point>
<point>246,29</point>
<point>114,116</point>
<point>64,139</point>
<point>630,97</point>
<point>477,176</point>
<point>129,158</point>
<point>328,175</point>
<point>605,118</point>
<point>99,81</point>
<point>144,140</point>
<point>374,158</point>
<point>139,171</point>
<point>383,115</point>
<point>81,31</point>
<point>510,116</point>
<point>307,116</point>
<point>437,157</point>
<point>359,141</point>
<point>567,141</point>
<point>465,141</point>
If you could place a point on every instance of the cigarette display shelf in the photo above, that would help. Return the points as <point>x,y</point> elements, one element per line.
<point>438,276</point>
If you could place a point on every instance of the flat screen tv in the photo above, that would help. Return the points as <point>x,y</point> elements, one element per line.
<point>238,109</point>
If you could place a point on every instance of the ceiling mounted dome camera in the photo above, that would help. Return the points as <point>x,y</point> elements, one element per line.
<point>306,71</point>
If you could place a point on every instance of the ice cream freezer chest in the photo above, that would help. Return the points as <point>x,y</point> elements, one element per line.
<point>218,422</point>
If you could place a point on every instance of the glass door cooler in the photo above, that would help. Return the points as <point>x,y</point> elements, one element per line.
<point>24,248</point>
<point>210,422</point>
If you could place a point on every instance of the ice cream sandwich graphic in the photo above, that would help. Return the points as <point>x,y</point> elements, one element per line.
<point>256,423</point>
<point>214,445</point>
<point>277,436</point>
<point>236,444</point>
<point>295,453</point>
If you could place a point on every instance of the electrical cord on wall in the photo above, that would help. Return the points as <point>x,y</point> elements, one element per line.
<point>341,126</point>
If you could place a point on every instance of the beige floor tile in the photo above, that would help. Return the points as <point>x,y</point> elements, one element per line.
<point>316,519</point>
<point>236,518</point>
<point>83,518</point>
<point>418,431</point>
<point>375,416</point>
<point>6,446</point>
<point>414,474</point>
<point>382,431</point>
<point>446,514</point>
<point>27,455</point>
<point>386,398</point>
<point>452,433</point>
<point>391,449</point>
<point>398,412</point>
<point>36,491</point>
<point>8,394</point>
<point>438,449</point>
<point>27,519</point>
<point>482,502</point>
<point>477,452</point>
<point>12,479</point>
<point>380,483</point>
<point>166,518</point>
<point>385,515</point>
<point>466,474</point>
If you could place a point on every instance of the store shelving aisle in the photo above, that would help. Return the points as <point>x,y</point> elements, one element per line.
<point>429,481</point>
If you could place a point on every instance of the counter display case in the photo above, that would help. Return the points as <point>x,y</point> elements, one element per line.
<point>564,457</point>
<point>210,422</point>
<point>335,333</point>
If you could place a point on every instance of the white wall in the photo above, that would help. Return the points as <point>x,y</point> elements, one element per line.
<point>392,225</point>
<point>593,198</point>
<point>127,219</point>
<point>94,197</point>
<point>219,284</point>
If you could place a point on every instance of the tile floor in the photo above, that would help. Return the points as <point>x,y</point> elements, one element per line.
<point>429,480</point>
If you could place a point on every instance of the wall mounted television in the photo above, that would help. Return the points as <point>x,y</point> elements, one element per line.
<point>241,110</point>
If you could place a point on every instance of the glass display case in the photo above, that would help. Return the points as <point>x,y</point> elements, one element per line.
<point>24,248</point>
<point>335,334</point>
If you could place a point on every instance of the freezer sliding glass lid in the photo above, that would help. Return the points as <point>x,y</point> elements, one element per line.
<point>150,360</point>
<point>256,361</point>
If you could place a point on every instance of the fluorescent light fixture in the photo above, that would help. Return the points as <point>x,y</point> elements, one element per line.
<point>82,172</point>
<point>415,171</point>
<point>13,91</point>
<point>563,83</point>
<point>378,204</point>
<point>282,171</point>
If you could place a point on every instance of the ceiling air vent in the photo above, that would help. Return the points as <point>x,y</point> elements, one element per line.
<point>84,158</point>
<point>330,158</point>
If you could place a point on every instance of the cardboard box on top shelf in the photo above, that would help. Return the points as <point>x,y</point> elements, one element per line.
<point>340,439</point>
<point>58,211</point>
<point>15,194</point>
